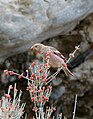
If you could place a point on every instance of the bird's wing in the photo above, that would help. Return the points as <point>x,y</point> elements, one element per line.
<point>56,52</point>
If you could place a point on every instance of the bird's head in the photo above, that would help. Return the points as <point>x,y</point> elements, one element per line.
<point>37,49</point>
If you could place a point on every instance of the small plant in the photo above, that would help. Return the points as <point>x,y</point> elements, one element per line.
<point>39,91</point>
<point>37,77</point>
<point>11,109</point>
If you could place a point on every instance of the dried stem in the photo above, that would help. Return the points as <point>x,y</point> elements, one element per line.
<point>74,112</point>
<point>73,53</point>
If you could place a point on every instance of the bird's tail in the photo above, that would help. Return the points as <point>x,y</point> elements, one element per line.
<point>67,71</point>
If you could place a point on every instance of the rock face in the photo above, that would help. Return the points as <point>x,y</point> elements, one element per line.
<point>25,22</point>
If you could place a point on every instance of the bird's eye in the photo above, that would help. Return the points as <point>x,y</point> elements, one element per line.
<point>36,46</point>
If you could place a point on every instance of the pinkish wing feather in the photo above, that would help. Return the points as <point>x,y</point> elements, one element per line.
<point>56,52</point>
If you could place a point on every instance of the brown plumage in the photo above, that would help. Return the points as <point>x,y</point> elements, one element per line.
<point>56,58</point>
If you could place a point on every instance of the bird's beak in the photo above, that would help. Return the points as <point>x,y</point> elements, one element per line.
<point>31,48</point>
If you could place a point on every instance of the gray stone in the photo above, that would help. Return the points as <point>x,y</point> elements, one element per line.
<point>84,72</point>
<point>25,22</point>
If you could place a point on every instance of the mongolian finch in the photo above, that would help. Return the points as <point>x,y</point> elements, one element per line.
<point>51,54</point>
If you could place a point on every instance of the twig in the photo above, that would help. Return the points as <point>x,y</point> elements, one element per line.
<point>77,47</point>
<point>53,75</point>
<point>19,75</point>
<point>74,112</point>
<point>26,116</point>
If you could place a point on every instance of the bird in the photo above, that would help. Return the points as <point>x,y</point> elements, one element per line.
<point>56,59</point>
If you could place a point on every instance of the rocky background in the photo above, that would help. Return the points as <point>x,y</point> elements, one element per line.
<point>60,27</point>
